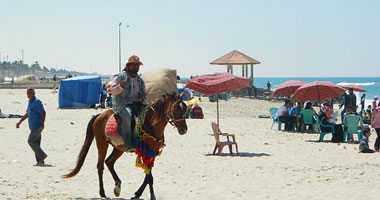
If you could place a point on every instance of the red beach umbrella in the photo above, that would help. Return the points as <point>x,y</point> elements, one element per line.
<point>354,87</point>
<point>317,91</point>
<point>288,88</point>
<point>217,83</point>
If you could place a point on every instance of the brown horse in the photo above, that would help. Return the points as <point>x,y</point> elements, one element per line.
<point>169,109</point>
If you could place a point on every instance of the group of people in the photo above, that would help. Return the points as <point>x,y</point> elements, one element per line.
<point>291,115</point>
<point>292,118</point>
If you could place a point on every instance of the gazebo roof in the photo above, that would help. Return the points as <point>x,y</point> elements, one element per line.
<point>234,58</point>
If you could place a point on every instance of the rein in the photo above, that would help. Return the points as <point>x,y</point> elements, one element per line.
<point>172,121</point>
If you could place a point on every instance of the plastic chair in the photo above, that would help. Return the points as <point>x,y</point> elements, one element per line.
<point>323,133</point>
<point>307,117</point>
<point>219,145</point>
<point>275,119</point>
<point>351,123</point>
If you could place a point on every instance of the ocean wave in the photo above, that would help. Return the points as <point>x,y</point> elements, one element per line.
<point>362,84</point>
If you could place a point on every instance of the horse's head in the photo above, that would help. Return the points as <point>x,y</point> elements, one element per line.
<point>176,112</point>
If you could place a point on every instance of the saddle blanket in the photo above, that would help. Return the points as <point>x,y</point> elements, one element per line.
<point>111,127</point>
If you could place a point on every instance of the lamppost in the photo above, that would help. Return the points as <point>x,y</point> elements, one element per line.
<point>119,49</point>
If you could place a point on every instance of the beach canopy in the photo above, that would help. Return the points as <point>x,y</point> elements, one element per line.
<point>217,83</point>
<point>236,58</point>
<point>317,91</point>
<point>79,92</point>
<point>354,87</point>
<point>288,88</point>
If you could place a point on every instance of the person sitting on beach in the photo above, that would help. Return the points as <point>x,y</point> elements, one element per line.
<point>329,112</point>
<point>338,129</point>
<point>369,112</point>
<point>295,112</point>
<point>309,106</point>
<point>3,115</point>
<point>363,145</point>
<point>349,110</point>
<point>283,115</point>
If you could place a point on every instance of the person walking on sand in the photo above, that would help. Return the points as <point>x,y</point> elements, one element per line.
<point>36,118</point>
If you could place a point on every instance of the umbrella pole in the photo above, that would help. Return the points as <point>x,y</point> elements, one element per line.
<point>217,109</point>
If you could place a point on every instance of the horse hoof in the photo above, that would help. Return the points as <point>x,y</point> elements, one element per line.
<point>134,198</point>
<point>117,190</point>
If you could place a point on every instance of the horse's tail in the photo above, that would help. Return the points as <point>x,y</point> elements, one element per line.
<point>85,147</point>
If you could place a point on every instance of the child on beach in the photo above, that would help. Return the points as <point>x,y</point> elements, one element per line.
<point>363,145</point>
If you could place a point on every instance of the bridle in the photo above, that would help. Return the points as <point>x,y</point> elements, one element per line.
<point>170,117</point>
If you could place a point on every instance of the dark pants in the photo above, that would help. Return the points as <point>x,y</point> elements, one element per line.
<point>338,135</point>
<point>342,114</point>
<point>367,151</point>
<point>377,142</point>
<point>289,121</point>
<point>34,142</point>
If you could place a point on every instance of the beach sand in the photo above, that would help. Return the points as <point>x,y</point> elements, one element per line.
<point>292,166</point>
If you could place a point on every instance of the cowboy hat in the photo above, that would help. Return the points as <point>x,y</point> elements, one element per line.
<point>133,59</point>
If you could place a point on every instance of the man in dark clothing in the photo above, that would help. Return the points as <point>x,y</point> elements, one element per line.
<point>362,102</point>
<point>348,100</point>
<point>269,85</point>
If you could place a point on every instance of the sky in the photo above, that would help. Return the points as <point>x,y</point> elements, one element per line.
<point>291,38</point>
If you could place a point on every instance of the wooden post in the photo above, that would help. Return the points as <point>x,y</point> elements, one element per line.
<point>252,72</point>
<point>242,70</point>
<point>246,70</point>
<point>232,69</point>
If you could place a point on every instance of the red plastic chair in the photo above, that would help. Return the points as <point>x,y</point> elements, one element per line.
<point>219,145</point>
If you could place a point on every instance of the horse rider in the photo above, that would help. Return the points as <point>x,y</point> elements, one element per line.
<point>128,94</point>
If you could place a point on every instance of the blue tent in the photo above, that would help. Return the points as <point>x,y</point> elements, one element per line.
<point>79,92</point>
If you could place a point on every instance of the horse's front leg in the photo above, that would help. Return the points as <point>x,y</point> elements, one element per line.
<point>148,180</point>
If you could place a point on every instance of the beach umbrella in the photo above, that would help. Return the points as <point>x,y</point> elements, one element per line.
<point>317,91</point>
<point>217,83</point>
<point>354,87</point>
<point>288,88</point>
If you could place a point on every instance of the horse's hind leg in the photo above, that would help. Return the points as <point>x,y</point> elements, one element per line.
<point>148,180</point>
<point>110,162</point>
<point>102,151</point>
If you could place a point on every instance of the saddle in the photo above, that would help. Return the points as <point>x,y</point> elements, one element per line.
<point>112,127</point>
